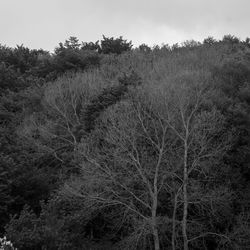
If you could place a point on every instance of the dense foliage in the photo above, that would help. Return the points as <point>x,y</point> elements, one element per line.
<point>105,146</point>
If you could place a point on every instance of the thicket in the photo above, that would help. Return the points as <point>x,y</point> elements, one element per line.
<point>105,146</point>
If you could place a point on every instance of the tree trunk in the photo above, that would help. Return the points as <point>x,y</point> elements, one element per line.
<point>154,225</point>
<point>156,235</point>
<point>174,222</point>
<point>185,198</point>
<point>155,201</point>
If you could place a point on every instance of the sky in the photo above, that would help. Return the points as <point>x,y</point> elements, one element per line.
<point>44,23</point>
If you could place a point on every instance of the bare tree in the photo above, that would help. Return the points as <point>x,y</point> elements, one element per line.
<point>201,138</point>
<point>56,128</point>
<point>130,163</point>
<point>154,141</point>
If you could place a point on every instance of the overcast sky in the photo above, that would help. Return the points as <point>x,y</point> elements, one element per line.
<point>45,23</point>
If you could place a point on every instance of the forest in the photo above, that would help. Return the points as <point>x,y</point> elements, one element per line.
<point>107,146</point>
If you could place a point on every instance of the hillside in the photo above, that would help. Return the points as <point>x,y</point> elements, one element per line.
<point>106,146</point>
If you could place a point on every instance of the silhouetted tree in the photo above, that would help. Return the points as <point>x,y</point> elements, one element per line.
<point>115,45</point>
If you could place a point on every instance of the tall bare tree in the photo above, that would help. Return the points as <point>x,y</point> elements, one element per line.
<point>129,163</point>
<point>201,135</point>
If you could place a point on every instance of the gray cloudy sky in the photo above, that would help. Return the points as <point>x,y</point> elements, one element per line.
<point>45,23</point>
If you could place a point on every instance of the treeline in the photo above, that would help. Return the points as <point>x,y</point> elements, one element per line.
<point>106,146</point>
<point>19,66</point>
